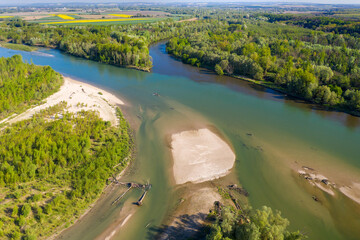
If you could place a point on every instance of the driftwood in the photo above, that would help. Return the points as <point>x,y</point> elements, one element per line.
<point>235,201</point>
<point>139,202</point>
<point>121,196</point>
<point>238,189</point>
<point>131,185</point>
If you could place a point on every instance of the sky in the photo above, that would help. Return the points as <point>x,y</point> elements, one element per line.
<point>22,2</point>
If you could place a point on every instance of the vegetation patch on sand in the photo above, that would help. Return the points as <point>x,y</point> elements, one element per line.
<point>53,166</point>
<point>200,155</point>
<point>20,47</point>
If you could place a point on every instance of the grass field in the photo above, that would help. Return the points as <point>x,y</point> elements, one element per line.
<point>51,18</point>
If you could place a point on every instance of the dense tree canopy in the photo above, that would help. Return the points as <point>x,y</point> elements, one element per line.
<point>52,170</point>
<point>261,51</point>
<point>261,224</point>
<point>22,84</point>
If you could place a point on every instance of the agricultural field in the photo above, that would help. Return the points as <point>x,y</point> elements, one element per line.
<point>81,18</point>
<point>121,15</point>
<point>103,21</point>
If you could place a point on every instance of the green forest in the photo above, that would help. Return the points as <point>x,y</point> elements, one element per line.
<point>23,84</point>
<point>51,171</point>
<point>260,224</point>
<point>280,56</point>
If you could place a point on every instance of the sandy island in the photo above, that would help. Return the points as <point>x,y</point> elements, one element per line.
<point>79,96</point>
<point>199,156</point>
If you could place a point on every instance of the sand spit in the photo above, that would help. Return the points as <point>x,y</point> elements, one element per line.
<point>79,96</point>
<point>352,192</point>
<point>318,180</point>
<point>199,156</point>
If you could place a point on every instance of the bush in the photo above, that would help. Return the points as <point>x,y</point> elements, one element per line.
<point>25,210</point>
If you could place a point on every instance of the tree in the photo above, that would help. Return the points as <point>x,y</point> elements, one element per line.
<point>25,210</point>
<point>218,70</point>
<point>323,73</point>
<point>352,98</point>
<point>324,95</point>
<point>15,211</point>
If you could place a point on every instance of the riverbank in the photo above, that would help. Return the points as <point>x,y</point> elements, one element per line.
<point>282,90</point>
<point>273,86</point>
<point>32,48</point>
<point>20,47</point>
<point>79,96</point>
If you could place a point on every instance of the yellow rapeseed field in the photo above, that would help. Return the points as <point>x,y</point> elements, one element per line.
<point>96,20</point>
<point>121,15</point>
<point>6,16</point>
<point>63,16</point>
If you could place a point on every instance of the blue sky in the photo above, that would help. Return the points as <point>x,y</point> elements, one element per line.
<point>12,2</point>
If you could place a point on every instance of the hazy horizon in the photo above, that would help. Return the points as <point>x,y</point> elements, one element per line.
<point>26,2</point>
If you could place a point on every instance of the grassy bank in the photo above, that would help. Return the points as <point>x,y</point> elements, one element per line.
<point>20,47</point>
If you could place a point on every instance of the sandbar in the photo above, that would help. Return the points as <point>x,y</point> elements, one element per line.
<point>199,156</point>
<point>352,192</point>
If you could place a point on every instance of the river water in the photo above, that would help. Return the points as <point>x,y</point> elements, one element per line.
<point>285,134</point>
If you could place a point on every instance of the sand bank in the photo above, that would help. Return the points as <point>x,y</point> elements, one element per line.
<point>200,155</point>
<point>352,192</point>
<point>79,96</point>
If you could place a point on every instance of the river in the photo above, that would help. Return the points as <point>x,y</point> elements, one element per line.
<point>285,134</point>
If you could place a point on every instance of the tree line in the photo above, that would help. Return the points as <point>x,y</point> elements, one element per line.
<point>119,45</point>
<point>323,23</point>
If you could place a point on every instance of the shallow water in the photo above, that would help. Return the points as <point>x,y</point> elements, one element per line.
<point>286,133</point>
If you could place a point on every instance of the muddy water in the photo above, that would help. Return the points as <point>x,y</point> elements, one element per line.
<point>286,134</point>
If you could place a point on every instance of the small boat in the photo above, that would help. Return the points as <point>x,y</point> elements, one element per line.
<point>156,94</point>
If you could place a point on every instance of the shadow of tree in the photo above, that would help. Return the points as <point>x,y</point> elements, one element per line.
<point>184,227</point>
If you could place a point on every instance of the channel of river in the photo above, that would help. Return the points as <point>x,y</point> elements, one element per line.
<point>271,134</point>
